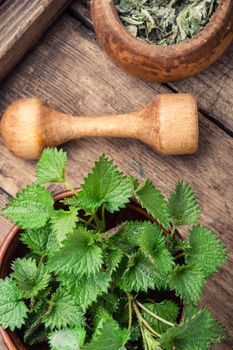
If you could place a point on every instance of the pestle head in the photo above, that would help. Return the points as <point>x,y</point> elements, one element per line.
<point>173,120</point>
<point>21,128</point>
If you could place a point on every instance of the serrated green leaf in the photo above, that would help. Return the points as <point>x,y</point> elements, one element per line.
<point>100,318</point>
<point>34,329</point>
<point>105,185</point>
<point>188,282</point>
<point>108,301</point>
<point>152,200</point>
<point>189,311</point>
<point>86,289</point>
<point>139,275</point>
<point>167,310</point>
<point>67,339</point>
<point>64,222</point>
<point>41,300</point>
<point>134,182</point>
<point>176,245</point>
<point>51,166</point>
<point>128,236</point>
<point>63,311</point>
<point>111,337</point>
<point>30,279</point>
<point>153,246</point>
<point>71,201</point>
<point>37,239</point>
<point>183,206</point>
<point>206,250</point>
<point>112,258</point>
<point>31,208</point>
<point>197,333</point>
<point>13,310</point>
<point>79,254</point>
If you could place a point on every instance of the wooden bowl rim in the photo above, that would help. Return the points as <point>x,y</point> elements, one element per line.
<point>216,23</point>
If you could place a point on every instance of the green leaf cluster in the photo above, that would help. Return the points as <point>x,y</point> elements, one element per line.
<point>86,283</point>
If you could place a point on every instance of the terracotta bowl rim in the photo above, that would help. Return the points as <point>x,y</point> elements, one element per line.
<point>201,38</point>
<point>3,249</point>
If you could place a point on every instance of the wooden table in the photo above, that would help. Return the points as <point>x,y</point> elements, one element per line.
<point>69,70</point>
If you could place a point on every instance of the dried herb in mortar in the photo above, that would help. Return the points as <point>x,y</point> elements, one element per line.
<point>165,22</point>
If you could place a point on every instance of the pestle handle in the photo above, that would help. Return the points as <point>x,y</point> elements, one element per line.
<point>65,127</point>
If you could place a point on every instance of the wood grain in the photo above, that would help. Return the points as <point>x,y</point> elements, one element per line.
<point>213,88</point>
<point>5,225</point>
<point>79,78</point>
<point>21,24</point>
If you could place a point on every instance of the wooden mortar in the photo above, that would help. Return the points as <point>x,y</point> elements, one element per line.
<point>162,63</point>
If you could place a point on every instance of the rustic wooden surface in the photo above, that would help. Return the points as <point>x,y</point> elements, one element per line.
<point>21,24</point>
<point>69,70</point>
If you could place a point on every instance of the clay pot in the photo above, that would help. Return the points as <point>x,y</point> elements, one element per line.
<point>162,63</point>
<point>12,248</point>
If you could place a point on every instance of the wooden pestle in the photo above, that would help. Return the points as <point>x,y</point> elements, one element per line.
<point>169,124</point>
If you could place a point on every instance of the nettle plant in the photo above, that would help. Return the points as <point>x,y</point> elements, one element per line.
<point>83,285</point>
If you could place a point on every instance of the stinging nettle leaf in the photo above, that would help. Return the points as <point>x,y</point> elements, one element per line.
<point>196,333</point>
<point>67,339</point>
<point>30,279</point>
<point>37,239</point>
<point>152,200</point>
<point>111,337</point>
<point>51,166</point>
<point>153,246</point>
<point>206,250</point>
<point>188,282</point>
<point>128,236</point>
<point>183,206</point>
<point>139,275</point>
<point>105,185</point>
<point>31,208</point>
<point>79,254</point>
<point>112,258</point>
<point>64,222</point>
<point>63,311</point>
<point>13,310</point>
<point>86,289</point>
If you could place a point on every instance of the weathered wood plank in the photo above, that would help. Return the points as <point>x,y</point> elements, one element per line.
<point>21,25</point>
<point>70,71</point>
<point>4,224</point>
<point>213,87</point>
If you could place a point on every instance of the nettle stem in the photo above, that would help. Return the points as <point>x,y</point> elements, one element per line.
<point>130,298</point>
<point>87,223</point>
<point>143,322</point>
<point>154,315</point>
<point>70,188</point>
<point>103,216</point>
